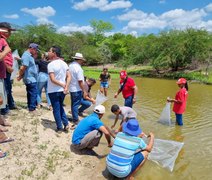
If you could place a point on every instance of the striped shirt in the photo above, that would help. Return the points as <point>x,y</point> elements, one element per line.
<point>122,153</point>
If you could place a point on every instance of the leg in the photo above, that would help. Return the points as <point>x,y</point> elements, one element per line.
<point>32,96</point>
<point>62,111</point>
<point>10,100</point>
<point>129,101</point>
<point>75,103</point>
<point>47,96</point>
<point>84,105</point>
<point>40,86</point>
<point>179,119</point>
<point>55,101</point>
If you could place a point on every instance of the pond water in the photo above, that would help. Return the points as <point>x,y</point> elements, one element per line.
<point>194,160</point>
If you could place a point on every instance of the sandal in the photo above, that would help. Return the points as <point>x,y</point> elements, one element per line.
<point>2,154</point>
<point>4,138</point>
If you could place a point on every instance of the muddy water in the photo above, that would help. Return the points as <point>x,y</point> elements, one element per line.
<point>195,159</point>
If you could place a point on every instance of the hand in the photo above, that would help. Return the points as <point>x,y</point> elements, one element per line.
<point>110,145</point>
<point>115,95</point>
<point>134,100</point>
<point>17,58</point>
<point>19,78</point>
<point>93,101</point>
<point>151,135</point>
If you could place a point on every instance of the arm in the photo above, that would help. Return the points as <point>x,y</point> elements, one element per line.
<point>116,119</point>
<point>117,93</point>
<point>174,100</point>
<point>68,80</point>
<point>82,87</point>
<point>135,93</point>
<point>107,135</point>
<point>52,78</point>
<point>4,52</point>
<point>151,142</point>
<point>21,72</point>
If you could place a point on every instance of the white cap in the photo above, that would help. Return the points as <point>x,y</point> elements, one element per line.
<point>100,109</point>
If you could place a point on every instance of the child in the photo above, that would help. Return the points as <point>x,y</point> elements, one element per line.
<point>180,100</point>
<point>129,151</point>
<point>105,80</point>
<point>125,112</point>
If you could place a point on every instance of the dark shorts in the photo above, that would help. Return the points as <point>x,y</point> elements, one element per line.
<point>179,119</point>
<point>104,84</point>
<point>137,160</point>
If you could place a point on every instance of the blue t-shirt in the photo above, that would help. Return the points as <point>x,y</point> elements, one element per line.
<point>31,73</point>
<point>86,125</point>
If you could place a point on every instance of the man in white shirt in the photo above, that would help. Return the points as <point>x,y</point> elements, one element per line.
<point>76,87</point>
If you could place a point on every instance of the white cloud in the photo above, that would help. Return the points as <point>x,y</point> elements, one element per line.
<point>74,28</point>
<point>177,18</point>
<point>102,5</point>
<point>162,1</point>
<point>11,16</point>
<point>41,13</point>
<point>208,8</point>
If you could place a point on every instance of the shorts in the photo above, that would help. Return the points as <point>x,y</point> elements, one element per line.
<point>137,160</point>
<point>179,119</point>
<point>104,84</point>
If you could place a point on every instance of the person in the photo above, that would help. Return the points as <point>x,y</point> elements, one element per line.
<point>42,80</point>
<point>129,152</point>
<point>125,112</point>
<point>76,87</point>
<point>180,100</point>
<point>104,81</point>
<point>28,71</point>
<point>87,99</point>
<point>58,84</point>
<point>4,50</point>
<point>128,89</point>
<point>89,131</point>
<point>8,60</point>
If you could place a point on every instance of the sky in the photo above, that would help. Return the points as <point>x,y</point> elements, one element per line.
<point>134,17</point>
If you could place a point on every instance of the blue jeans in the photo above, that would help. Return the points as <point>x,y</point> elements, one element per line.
<point>179,119</point>
<point>31,96</point>
<point>129,101</point>
<point>42,83</point>
<point>75,103</point>
<point>57,99</point>
<point>84,105</point>
<point>10,100</point>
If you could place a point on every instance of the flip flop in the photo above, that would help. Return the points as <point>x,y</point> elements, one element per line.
<point>3,129</point>
<point>3,154</point>
<point>7,140</point>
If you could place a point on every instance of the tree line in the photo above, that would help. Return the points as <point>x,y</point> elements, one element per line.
<point>167,50</point>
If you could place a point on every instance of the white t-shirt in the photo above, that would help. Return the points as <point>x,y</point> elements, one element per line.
<point>76,75</point>
<point>59,68</point>
<point>127,112</point>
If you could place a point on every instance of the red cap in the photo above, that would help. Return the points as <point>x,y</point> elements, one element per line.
<point>123,74</point>
<point>181,81</point>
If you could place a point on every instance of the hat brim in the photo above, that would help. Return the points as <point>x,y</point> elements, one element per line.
<point>128,131</point>
<point>78,58</point>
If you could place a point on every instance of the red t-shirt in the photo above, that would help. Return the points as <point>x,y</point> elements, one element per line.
<point>181,95</point>
<point>128,87</point>
<point>3,43</point>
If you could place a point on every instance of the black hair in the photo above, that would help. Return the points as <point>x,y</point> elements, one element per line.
<point>114,108</point>
<point>56,50</point>
<point>186,86</point>
<point>92,80</point>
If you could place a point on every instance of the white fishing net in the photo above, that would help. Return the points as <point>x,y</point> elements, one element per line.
<point>15,64</point>
<point>165,117</point>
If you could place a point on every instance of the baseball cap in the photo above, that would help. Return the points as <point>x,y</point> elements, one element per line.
<point>123,74</point>
<point>34,46</point>
<point>100,109</point>
<point>6,25</point>
<point>181,81</point>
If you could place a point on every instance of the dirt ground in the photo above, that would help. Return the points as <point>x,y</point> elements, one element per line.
<point>38,152</point>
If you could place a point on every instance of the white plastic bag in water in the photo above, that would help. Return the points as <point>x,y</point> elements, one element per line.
<point>165,117</point>
<point>100,98</point>
<point>15,64</point>
<point>165,152</point>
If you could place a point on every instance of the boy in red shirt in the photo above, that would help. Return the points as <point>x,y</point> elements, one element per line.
<point>180,100</point>
<point>128,89</point>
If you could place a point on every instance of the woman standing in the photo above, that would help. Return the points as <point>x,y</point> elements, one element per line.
<point>104,81</point>
<point>180,100</point>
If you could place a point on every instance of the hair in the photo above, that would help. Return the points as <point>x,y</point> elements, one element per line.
<point>186,86</point>
<point>114,108</point>
<point>92,80</point>
<point>105,68</point>
<point>56,50</point>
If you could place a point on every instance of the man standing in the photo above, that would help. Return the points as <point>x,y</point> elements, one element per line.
<point>58,84</point>
<point>128,89</point>
<point>90,129</point>
<point>28,71</point>
<point>8,60</point>
<point>76,86</point>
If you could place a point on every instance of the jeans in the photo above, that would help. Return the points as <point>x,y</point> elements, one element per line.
<point>42,83</point>
<point>57,99</point>
<point>75,103</point>
<point>179,119</point>
<point>129,101</point>
<point>31,96</point>
<point>84,105</point>
<point>10,100</point>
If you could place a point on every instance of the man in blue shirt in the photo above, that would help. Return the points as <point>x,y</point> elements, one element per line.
<point>28,71</point>
<point>90,129</point>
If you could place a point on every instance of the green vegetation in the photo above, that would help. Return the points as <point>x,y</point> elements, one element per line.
<point>169,54</point>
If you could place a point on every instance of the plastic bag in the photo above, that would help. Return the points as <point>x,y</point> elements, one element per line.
<point>165,117</point>
<point>100,98</point>
<point>165,152</point>
<point>15,64</point>
<point>3,94</point>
